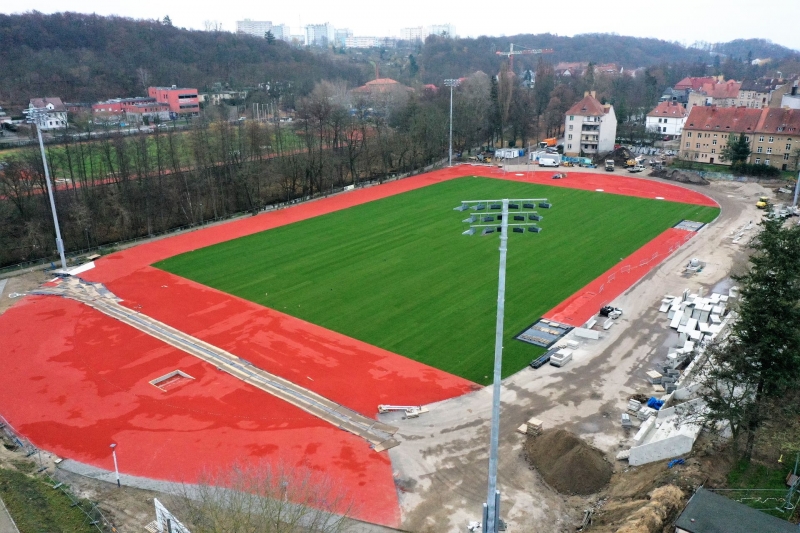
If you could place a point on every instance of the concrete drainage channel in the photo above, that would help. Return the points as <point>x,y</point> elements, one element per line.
<point>95,295</point>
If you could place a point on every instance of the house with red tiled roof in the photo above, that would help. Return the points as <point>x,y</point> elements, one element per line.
<point>708,129</point>
<point>720,94</point>
<point>777,139</point>
<point>570,69</point>
<point>381,86</point>
<point>589,127</point>
<point>667,118</point>
<point>693,84</point>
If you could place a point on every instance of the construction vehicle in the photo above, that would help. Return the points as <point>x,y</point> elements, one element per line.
<point>630,163</point>
<point>762,202</point>
<point>548,143</point>
<point>609,165</point>
<point>411,411</point>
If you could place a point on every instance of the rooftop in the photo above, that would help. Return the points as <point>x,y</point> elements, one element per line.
<point>708,512</point>
<point>47,101</point>
<point>782,121</point>
<point>725,89</point>
<point>668,109</point>
<point>693,83</point>
<point>730,119</point>
<point>588,107</point>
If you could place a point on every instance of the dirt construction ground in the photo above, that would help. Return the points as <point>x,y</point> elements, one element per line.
<point>441,467</point>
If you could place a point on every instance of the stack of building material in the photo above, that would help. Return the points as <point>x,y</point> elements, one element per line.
<point>532,427</point>
<point>634,405</point>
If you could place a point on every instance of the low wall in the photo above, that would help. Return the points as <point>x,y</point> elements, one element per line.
<point>659,450</point>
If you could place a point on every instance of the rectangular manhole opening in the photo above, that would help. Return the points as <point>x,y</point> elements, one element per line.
<point>171,381</point>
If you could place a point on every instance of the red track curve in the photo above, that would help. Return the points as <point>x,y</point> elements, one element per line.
<point>76,380</point>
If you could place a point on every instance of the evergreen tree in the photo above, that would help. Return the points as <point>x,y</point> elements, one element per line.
<point>737,151</point>
<point>167,21</point>
<point>760,359</point>
<point>269,37</point>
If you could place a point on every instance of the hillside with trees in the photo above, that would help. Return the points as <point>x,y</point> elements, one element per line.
<point>87,58</point>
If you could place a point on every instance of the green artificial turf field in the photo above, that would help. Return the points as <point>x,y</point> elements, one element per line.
<point>398,274</point>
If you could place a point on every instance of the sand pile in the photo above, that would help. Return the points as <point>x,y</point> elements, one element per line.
<point>567,463</point>
<point>651,518</point>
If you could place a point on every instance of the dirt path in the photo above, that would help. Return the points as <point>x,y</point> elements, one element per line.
<point>441,467</point>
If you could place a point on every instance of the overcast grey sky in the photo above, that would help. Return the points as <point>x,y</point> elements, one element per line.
<point>685,21</point>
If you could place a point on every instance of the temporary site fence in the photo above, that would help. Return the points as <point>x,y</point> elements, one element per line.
<point>92,515</point>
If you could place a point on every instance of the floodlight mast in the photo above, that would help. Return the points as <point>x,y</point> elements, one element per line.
<point>451,83</point>
<point>38,116</point>
<point>491,509</point>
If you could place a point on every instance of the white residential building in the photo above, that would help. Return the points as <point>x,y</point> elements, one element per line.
<point>589,127</point>
<point>667,118</point>
<point>441,29</point>
<point>256,28</point>
<point>362,42</point>
<point>320,35</point>
<point>411,34</point>
<point>56,112</point>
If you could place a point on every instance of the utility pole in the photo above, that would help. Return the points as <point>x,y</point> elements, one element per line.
<point>451,83</point>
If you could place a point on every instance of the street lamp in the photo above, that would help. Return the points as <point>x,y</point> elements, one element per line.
<point>116,468</point>
<point>38,115</point>
<point>451,83</point>
<point>488,223</point>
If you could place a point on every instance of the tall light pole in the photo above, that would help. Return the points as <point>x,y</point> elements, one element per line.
<point>451,83</point>
<point>489,223</point>
<point>116,468</point>
<point>38,115</point>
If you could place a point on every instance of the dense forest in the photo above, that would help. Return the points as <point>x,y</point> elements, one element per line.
<point>88,58</point>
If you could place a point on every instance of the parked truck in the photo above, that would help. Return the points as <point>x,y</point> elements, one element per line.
<point>609,165</point>
<point>548,143</point>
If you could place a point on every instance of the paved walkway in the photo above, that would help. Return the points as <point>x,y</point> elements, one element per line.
<point>7,524</point>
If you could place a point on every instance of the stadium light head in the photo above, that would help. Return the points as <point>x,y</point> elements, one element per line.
<point>479,207</point>
<point>545,205</point>
<point>487,231</point>
<point>513,206</point>
<point>472,219</point>
<point>470,231</point>
<point>462,207</point>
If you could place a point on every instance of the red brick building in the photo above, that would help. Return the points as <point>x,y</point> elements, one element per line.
<point>181,100</point>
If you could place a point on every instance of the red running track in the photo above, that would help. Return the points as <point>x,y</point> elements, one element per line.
<point>584,304</point>
<point>76,380</point>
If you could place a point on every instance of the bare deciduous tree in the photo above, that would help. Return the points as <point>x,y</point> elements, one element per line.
<point>265,498</point>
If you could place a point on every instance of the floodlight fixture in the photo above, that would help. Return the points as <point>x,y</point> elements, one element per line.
<point>513,206</point>
<point>462,207</point>
<point>519,217</point>
<point>470,220</point>
<point>487,219</point>
<point>487,231</point>
<point>528,206</point>
<point>519,230</point>
<point>479,207</point>
<point>545,205</point>
<point>534,229</point>
<point>470,231</point>
<point>497,206</point>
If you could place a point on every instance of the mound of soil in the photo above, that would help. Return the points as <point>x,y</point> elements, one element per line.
<point>567,463</point>
<point>674,174</point>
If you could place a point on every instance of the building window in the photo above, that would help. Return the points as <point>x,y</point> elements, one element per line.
<point>759,150</point>
<point>785,157</point>
<point>758,160</point>
<point>572,117</point>
<point>688,133</point>
<point>713,150</point>
<point>769,150</point>
<point>788,146</point>
<point>569,146</point>
<point>771,139</point>
<point>714,142</point>
<point>570,127</point>
<point>687,144</point>
<point>761,139</point>
<point>747,138</point>
<point>569,137</point>
<point>766,161</point>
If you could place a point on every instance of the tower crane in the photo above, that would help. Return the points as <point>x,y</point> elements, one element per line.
<point>527,51</point>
